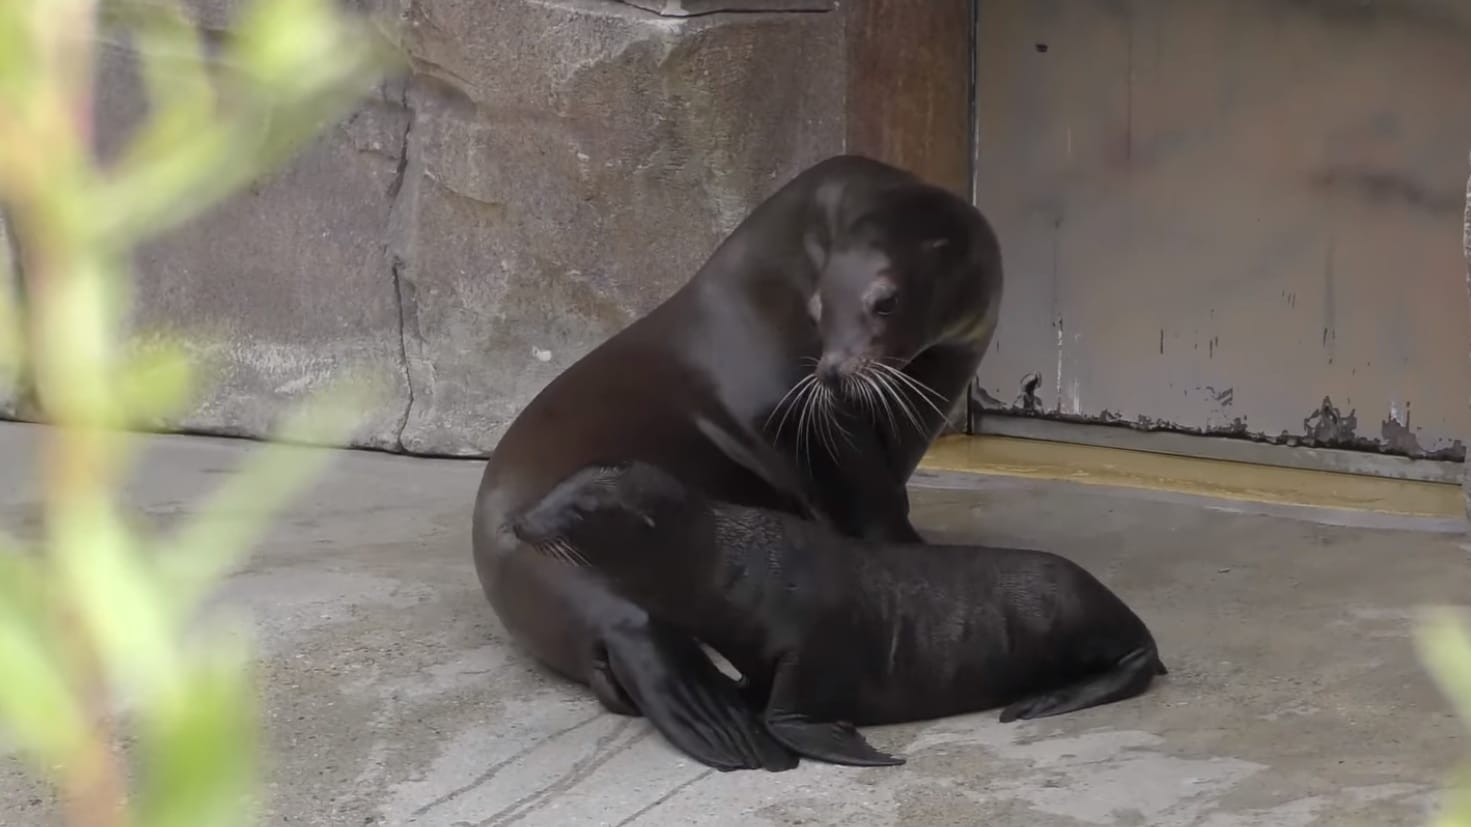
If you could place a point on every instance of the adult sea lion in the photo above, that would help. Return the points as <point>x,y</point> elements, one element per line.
<point>890,284</point>
<point>832,631</point>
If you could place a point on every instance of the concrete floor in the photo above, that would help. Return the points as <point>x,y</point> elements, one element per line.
<point>392,697</point>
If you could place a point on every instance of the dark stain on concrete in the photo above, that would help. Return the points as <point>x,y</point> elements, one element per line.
<point>1028,401</point>
<point>1324,427</point>
<point>1388,188</point>
<point>1329,426</point>
<point>1441,17</point>
<point>1399,437</point>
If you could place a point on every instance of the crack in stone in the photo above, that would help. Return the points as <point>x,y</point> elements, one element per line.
<point>399,262</point>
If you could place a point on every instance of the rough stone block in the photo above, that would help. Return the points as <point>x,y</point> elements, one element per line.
<point>558,189</point>
<point>286,286</point>
<point>690,8</point>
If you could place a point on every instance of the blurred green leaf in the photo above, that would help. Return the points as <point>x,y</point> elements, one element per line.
<point>214,125</point>
<point>1445,647</point>
<point>296,47</point>
<point>74,347</point>
<point>198,748</point>
<point>19,60</point>
<point>154,383</point>
<point>12,342</point>
<point>35,698</point>
<point>239,512</point>
<point>289,68</point>
<point>173,63</point>
<point>118,602</point>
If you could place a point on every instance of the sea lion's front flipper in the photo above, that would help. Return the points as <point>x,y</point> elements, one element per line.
<point>668,678</point>
<point>836,742</point>
<point>1129,677</point>
<point>798,683</point>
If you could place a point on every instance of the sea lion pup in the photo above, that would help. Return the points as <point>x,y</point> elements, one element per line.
<point>833,632</point>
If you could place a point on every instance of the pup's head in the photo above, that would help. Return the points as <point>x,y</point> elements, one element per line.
<point>601,509</point>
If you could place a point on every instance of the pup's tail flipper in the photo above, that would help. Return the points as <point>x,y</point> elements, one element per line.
<point>1129,677</point>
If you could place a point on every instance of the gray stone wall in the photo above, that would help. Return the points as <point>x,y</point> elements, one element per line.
<point>546,171</point>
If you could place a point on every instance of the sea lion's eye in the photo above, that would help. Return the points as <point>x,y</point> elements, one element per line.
<point>885,306</point>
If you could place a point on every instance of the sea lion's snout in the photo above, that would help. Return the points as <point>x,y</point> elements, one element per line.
<point>834,368</point>
<point>527,528</point>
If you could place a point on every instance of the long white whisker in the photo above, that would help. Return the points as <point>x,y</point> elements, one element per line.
<point>804,421</point>
<point>836,409</point>
<point>930,395</point>
<point>858,389</point>
<point>922,390</point>
<point>913,382</point>
<point>796,388</point>
<point>551,550</point>
<point>901,399</point>
<point>877,392</point>
<point>574,555</point>
<point>839,410</point>
<point>820,414</point>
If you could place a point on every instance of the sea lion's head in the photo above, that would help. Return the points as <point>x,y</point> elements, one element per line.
<point>899,277</point>
<point>603,509</point>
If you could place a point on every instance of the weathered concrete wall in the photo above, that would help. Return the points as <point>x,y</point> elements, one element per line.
<point>1232,216</point>
<point>547,171</point>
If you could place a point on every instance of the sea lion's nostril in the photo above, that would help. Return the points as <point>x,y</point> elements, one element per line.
<point>829,370</point>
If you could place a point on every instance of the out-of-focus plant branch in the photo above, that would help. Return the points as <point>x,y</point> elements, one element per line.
<point>96,612</point>
<point>1444,644</point>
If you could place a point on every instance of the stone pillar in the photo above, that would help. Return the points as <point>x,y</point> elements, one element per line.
<point>546,171</point>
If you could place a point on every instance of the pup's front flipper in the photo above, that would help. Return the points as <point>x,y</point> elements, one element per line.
<point>799,683</point>
<point>836,742</point>
<point>667,677</point>
<point>1129,677</point>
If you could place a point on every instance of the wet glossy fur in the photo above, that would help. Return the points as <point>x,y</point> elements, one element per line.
<point>866,632</point>
<point>715,385</point>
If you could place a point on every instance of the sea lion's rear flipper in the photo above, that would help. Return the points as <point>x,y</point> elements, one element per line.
<point>836,742</point>
<point>1125,679</point>
<point>672,682</point>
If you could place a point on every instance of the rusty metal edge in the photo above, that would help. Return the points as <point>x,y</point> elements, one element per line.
<point>1223,448</point>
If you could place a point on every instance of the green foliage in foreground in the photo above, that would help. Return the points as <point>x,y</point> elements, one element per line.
<point>1445,647</point>
<point>101,624</point>
<point>98,616</point>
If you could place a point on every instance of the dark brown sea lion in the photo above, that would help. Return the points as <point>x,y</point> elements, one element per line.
<point>832,631</point>
<point>890,284</point>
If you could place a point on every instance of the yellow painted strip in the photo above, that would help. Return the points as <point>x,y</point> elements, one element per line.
<point>1094,465</point>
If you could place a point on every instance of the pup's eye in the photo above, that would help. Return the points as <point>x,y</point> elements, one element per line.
<point>885,306</point>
